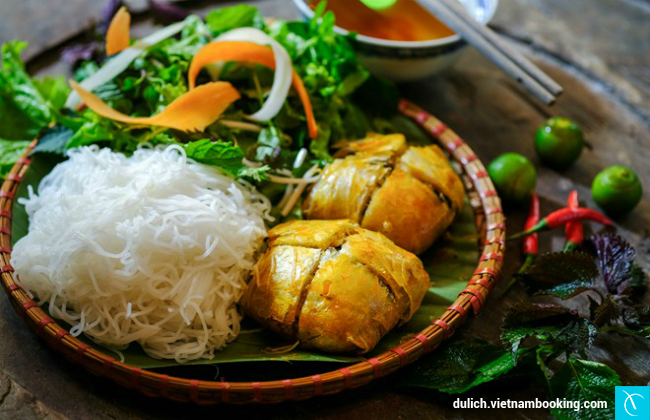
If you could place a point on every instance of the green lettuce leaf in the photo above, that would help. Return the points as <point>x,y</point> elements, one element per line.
<point>21,102</point>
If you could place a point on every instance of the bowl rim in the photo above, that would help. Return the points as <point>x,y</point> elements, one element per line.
<point>304,8</point>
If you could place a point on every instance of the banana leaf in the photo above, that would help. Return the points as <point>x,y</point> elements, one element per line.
<point>450,264</point>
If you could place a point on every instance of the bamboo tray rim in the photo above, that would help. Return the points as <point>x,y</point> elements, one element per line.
<point>491,226</point>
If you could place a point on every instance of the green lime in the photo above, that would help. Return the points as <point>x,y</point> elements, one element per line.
<point>559,142</point>
<point>514,176</point>
<point>617,190</point>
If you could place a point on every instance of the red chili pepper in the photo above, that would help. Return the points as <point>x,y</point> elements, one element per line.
<point>573,231</point>
<point>562,217</point>
<point>531,242</point>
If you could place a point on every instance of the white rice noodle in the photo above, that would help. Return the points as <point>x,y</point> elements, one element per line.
<point>283,70</point>
<point>153,249</point>
<point>121,61</point>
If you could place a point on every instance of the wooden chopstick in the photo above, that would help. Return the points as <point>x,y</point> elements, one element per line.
<point>485,41</point>
<point>520,59</point>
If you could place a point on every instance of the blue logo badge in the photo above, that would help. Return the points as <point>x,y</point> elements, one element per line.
<point>632,402</point>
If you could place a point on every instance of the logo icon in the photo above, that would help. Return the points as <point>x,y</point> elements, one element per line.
<point>632,402</point>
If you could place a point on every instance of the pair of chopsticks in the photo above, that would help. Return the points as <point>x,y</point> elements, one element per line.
<point>488,43</point>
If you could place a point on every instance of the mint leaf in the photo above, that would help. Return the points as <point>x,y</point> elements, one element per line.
<point>54,140</point>
<point>584,380</point>
<point>562,274</point>
<point>225,156</point>
<point>458,367</point>
<point>227,18</point>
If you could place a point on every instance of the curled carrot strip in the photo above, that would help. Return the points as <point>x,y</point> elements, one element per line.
<point>118,36</point>
<point>192,111</point>
<point>251,52</point>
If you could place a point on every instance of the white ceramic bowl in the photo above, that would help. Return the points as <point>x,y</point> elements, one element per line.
<point>402,61</point>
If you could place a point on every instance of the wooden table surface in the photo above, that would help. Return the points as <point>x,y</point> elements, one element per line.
<point>598,49</point>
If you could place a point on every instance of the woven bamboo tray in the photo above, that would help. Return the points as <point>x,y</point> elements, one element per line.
<point>491,226</point>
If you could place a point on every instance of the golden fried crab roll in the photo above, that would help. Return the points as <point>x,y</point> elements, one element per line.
<point>333,285</point>
<point>410,194</point>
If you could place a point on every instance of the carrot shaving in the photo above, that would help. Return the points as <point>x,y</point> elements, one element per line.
<point>251,52</point>
<point>118,36</point>
<point>192,111</point>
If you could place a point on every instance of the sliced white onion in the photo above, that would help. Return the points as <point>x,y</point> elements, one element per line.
<point>300,158</point>
<point>121,61</point>
<point>288,192</point>
<point>314,170</point>
<point>283,70</point>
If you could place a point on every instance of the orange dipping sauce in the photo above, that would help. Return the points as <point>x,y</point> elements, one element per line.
<point>406,20</point>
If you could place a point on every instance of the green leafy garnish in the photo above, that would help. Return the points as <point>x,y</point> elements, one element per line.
<point>547,342</point>
<point>223,155</point>
<point>348,102</point>
<point>458,367</point>
<point>54,140</point>
<point>546,322</point>
<point>10,152</point>
<point>227,18</point>
<point>562,274</point>
<point>584,380</point>
<point>21,102</point>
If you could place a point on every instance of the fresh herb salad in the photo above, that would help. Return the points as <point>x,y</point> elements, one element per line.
<point>347,101</point>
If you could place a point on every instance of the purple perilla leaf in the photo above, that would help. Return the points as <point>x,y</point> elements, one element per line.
<point>615,257</point>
